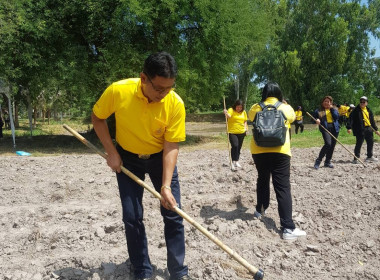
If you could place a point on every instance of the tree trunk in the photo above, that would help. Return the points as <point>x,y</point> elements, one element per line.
<point>15,110</point>
<point>237,89</point>
<point>35,116</point>
<point>30,111</point>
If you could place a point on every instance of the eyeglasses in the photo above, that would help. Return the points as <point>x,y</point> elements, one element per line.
<point>363,102</point>
<point>160,90</point>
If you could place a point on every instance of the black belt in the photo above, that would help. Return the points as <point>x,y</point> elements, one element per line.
<point>140,156</point>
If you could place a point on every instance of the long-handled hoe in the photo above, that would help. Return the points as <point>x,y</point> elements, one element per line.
<point>336,139</point>
<point>228,137</point>
<point>257,273</point>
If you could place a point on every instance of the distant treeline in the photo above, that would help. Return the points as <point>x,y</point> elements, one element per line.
<point>59,55</point>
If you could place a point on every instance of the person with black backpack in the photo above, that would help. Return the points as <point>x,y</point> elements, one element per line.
<point>270,148</point>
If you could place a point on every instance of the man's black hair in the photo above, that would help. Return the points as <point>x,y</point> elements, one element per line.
<point>160,64</point>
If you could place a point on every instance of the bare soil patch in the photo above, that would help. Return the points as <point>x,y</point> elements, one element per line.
<point>60,218</point>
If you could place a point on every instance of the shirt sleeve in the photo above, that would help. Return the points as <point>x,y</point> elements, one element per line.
<point>175,131</point>
<point>104,107</point>
<point>289,113</point>
<point>252,112</point>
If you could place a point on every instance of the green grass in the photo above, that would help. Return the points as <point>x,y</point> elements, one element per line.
<point>313,138</point>
<point>53,139</point>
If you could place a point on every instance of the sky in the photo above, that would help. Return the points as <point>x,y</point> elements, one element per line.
<point>375,44</point>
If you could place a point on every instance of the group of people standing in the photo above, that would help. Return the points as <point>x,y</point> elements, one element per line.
<point>150,122</point>
<point>269,161</point>
<point>360,121</point>
<point>275,161</point>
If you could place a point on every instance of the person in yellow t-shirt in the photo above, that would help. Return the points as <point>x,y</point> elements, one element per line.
<point>328,117</point>
<point>275,162</point>
<point>299,119</point>
<point>363,124</point>
<point>150,121</point>
<point>342,110</point>
<point>237,130</point>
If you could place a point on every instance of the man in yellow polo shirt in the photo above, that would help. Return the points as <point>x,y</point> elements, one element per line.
<point>150,121</point>
<point>362,123</point>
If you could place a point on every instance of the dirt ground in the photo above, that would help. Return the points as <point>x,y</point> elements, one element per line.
<point>60,218</point>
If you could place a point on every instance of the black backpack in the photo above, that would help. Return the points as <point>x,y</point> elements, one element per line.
<point>269,128</point>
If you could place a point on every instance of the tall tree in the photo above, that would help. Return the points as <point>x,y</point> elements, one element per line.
<point>319,51</point>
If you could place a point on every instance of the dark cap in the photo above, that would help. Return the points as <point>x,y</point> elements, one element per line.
<point>364,98</point>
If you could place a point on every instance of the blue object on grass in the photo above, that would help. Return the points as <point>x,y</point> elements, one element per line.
<point>22,153</point>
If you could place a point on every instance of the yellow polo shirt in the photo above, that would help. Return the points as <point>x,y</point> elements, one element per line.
<point>236,121</point>
<point>329,117</point>
<point>298,115</point>
<point>342,110</point>
<point>366,120</point>
<point>289,114</point>
<point>142,127</point>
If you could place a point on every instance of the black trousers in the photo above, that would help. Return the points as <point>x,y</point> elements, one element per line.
<point>329,146</point>
<point>299,125</point>
<point>277,165</point>
<point>368,137</point>
<point>236,141</point>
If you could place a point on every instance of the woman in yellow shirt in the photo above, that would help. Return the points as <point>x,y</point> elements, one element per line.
<point>328,117</point>
<point>275,162</point>
<point>299,119</point>
<point>237,130</point>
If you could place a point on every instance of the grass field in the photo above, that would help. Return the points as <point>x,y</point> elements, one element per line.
<point>48,139</point>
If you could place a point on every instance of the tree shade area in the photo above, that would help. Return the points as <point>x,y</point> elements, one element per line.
<point>57,56</point>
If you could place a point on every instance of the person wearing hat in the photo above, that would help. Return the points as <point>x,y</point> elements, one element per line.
<point>352,107</point>
<point>362,124</point>
<point>299,119</point>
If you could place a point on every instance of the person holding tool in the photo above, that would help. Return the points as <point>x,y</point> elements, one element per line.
<point>237,130</point>
<point>328,117</point>
<point>362,123</point>
<point>299,119</point>
<point>150,121</point>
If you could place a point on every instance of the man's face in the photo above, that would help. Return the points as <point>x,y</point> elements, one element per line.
<point>157,88</point>
<point>363,103</point>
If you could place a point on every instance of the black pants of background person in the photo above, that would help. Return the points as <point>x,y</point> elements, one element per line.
<point>299,125</point>
<point>236,141</point>
<point>277,165</point>
<point>329,146</point>
<point>368,137</point>
<point>342,120</point>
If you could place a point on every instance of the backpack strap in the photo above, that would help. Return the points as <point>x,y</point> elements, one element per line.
<point>277,104</point>
<point>262,105</point>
